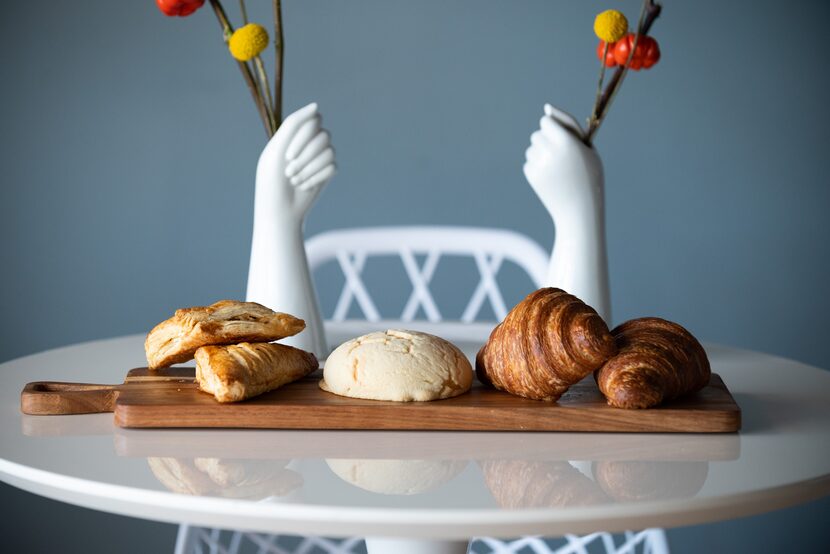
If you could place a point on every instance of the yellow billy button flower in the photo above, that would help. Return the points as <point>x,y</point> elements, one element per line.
<point>248,41</point>
<point>610,26</point>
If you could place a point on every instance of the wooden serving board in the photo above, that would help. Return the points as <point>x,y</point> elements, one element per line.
<point>171,399</point>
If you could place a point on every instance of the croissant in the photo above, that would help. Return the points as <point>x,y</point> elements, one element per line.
<point>548,341</point>
<point>658,360</point>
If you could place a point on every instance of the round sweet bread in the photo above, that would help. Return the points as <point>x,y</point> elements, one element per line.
<point>397,365</point>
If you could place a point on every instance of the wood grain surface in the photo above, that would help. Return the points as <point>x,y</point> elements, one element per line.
<point>302,405</point>
<point>59,398</point>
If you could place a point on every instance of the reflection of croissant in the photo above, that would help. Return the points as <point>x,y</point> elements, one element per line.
<point>658,360</point>
<point>250,479</point>
<point>548,342</point>
<point>629,481</point>
<point>522,484</point>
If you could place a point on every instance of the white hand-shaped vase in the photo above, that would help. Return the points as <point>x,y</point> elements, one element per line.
<point>567,176</point>
<point>293,168</point>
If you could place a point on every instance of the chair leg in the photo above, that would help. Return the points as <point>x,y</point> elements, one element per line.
<point>657,542</point>
<point>378,545</point>
<point>185,539</point>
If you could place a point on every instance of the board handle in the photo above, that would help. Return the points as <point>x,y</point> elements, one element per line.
<point>56,398</point>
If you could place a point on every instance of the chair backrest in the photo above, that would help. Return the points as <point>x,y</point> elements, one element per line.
<point>489,248</point>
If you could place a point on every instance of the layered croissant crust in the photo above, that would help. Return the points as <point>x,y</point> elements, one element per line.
<point>658,360</point>
<point>548,342</point>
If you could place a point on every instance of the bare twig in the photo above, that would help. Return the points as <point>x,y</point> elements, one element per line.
<point>278,60</point>
<point>227,31</point>
<point>599,85</point>
<point>650,12</point>
<point>243,11</point>
<point>263,83</point>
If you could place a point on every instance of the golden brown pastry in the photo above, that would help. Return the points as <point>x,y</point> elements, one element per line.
<point>658,360</point>
<point>548,341</point>
<point>225,322</point>
<point>239,371</point>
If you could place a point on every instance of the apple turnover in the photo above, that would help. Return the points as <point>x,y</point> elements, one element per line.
<point>239,371</point>
<point>225,322</point>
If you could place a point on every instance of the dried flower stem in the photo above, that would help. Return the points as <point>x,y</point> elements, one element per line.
<point>227,31</point>
<point>649,13</point>
<point>243,11</point>
<point>278,62</point>
<point>263,81</point>
<point>599,85</point>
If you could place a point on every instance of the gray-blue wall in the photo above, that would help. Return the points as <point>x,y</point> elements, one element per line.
<point>128,145</point>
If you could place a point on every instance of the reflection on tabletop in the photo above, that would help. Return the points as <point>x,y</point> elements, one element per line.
<point>430,445</point>
<point>244,479</point>
<point>634,481</point>
<point>402,477</point>
<point>519,470</point>
<point>554,484</point>
<point>512,483</point>
<point>558,484</point>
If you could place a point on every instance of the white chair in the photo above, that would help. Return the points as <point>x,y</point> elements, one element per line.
<point>489,249</point>
<point>197,540</point>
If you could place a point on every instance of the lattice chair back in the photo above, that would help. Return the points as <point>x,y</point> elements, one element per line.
<point>198,540</point>
<point>489,249</point>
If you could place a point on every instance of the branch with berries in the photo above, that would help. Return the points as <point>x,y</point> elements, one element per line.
<point>622,50</point>
<point>618,48</point>
<point>245,45</point>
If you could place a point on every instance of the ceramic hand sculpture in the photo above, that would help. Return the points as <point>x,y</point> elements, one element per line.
<point>567,176</point>
<point>293,168</point>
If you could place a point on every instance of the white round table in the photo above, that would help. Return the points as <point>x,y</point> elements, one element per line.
<point>426,486</point>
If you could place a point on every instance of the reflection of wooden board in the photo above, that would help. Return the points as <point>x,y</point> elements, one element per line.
<point>424,445</point>
<point>146,401</point>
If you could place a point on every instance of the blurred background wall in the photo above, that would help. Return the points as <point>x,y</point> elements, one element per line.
<point>129,145</point>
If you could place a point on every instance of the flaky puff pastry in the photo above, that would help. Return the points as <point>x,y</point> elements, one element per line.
<point>226,322</point>
<point>548,341</point>
<point>658,360</point>
<point>240,371</point>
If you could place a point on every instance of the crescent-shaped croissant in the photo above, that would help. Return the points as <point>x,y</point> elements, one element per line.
<point>658,360</point>
<point>548,341</point>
